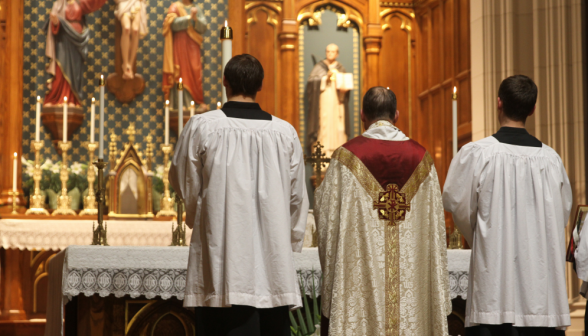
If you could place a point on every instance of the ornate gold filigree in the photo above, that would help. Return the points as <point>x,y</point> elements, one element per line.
<point>360,171</point>
<point>419,175</point>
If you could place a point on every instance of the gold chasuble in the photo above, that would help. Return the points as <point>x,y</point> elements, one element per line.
<point>382,246</point>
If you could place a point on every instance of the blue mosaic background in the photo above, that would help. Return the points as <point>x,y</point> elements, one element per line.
<point>146,110</point>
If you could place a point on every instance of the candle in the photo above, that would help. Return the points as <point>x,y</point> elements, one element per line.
<point>101,120</point>
<point>64,119</point>
<point>180,107</point>
<point>226,36</point>
<point>167,122</point>
<point>454,110</point>
<point>14,173</point>
<point>191,109</point>
<point>92,113</point>
<point>218,105</point>
<point>38,120</point>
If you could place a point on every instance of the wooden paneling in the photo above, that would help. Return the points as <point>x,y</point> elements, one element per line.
<point>443,61</point>
<point>262,43</point>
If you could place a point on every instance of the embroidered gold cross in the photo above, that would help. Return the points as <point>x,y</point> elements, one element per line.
<point>391,204</point>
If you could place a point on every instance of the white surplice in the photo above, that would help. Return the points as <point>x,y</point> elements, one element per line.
<point>243,185</point>
<point>512,204</point>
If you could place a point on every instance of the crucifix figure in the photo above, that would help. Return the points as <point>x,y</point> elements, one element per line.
<point>318,160</point>
<point>391,204</point>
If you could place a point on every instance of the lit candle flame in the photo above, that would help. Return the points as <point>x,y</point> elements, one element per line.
<point>38,98</point>
<point>218,104</point>
<point>455,89</point>
<point>64,99</point>
<point>192,103</point>
<point>93,100</point>
<point>167,102</point>
<point>15,155</point>
<point>387,88</point>
<point>101,76</point>
<point>226,23</point>
<point>180,79</point>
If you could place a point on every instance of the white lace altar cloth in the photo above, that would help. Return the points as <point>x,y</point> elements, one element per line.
<point>458,265</point>
<point>135,271</point>
<point>35,234</point>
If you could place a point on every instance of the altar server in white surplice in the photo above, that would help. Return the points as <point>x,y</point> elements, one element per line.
<point>240,171</point>
<point>511,198</point>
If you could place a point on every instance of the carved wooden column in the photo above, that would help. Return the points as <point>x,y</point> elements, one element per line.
<point>372,43</point>
<point>11,102</point>
<point>288,78</point>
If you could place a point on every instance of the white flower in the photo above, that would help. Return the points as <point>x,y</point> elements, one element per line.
<point>56,168</point>
<point>159,171</point>
<point>29,170</point>
<point>47,165</point>
<point>76,168</point>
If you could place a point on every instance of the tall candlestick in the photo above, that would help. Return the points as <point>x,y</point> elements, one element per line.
<point>92,116</point>
<point>64,119</point>
<point>226,36</point>
<point>38,120</point>
<point>101,132</point>
<point>454,119</point>
<point>191,109</point>
<point>180,107</point>
<point>14,167</point>
<point>167,122</point>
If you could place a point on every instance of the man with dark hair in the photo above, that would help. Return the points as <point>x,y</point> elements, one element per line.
<point>240,171</point>
<point>381,231</point>
<point>511,198</point>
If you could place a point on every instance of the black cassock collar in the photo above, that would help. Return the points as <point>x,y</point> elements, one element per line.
<point>517,136</point>
<point>240,110</point>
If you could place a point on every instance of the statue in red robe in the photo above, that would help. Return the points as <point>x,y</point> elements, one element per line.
<point>183,28</point>
<point>67,49</point>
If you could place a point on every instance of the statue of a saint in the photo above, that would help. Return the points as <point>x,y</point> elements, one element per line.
<point>132,15</point>
<point>328,102</point>
<point>67,49</point>
<point>183,28</point>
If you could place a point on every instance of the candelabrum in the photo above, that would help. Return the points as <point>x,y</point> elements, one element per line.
<point>64,201</point>
<point>90,200</point>
<point>455,239</point>
<point>14,195</point>
<point>99,233</point>
<point>37,200</point>
<point>167,202</point>
<point>179,234</point>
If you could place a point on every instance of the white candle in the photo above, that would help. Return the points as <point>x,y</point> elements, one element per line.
<point>454,110</point>
<point>92,116</point>
<point>191,109</point>
<point>101,132</point>
<point>180,108</point>
<point>38,120</point>
<point>167,122</point>
<point>64,119</point>
<point>14,173</point>
<point>227,53</point>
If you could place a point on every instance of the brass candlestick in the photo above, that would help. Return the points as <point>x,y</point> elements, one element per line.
<point>179,234</point>
<point>14,195</point>
<point>455,239</point>
<point>90,200</point>
<point>37,201</point>
<point>99,233</point>
<point>167,202</point>
<point>64,201</point>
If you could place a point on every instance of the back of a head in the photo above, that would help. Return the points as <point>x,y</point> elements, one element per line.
<point>518,95</point>
<point>379,103</point>
<point>244,74</point>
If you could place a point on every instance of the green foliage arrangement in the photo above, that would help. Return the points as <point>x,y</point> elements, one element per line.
<point>305,325</point>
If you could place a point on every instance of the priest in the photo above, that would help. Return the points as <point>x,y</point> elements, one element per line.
<point>240,171</point>
<point>511,198</point>
<point>381,231</point>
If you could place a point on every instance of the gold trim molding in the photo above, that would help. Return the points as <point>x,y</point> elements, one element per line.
<point>272,16</point>
<point>396,4</point>
<point>313,13</point>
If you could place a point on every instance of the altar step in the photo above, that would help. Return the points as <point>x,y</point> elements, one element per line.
<point>23,328</point>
